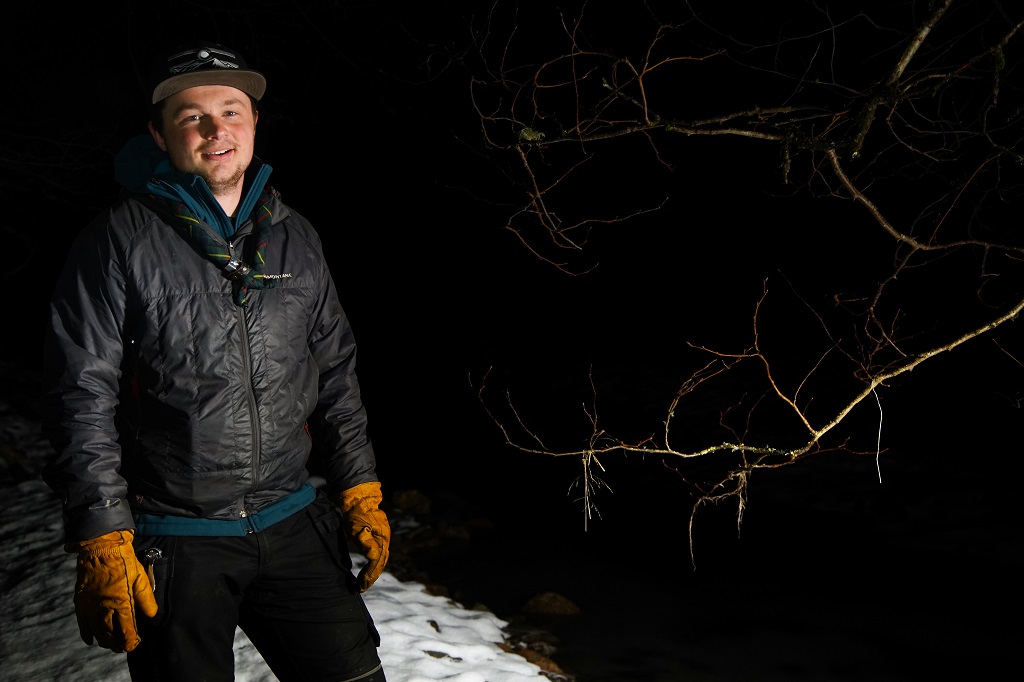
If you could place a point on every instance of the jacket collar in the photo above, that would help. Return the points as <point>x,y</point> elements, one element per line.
<point>141,166</point>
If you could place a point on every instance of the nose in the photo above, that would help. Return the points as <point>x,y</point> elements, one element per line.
<point>211,129</point>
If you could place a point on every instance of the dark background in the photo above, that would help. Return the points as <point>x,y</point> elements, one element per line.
<point>368,126</point>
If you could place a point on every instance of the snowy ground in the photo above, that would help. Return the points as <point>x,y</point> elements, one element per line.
<point>424,637</point>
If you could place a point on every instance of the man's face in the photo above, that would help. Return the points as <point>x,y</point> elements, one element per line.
<point>209,130</point>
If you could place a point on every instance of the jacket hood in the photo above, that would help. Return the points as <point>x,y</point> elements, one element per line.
<point>142,167</point>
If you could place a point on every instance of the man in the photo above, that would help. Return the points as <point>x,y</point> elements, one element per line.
<point>198,366</point>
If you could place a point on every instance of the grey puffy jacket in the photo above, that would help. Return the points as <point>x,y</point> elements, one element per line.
<point>164,397</point>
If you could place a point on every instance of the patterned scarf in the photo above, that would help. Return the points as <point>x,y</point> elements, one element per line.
<point>245,270</point>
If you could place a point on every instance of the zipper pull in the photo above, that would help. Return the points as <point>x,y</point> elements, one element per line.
<point>150,556</point>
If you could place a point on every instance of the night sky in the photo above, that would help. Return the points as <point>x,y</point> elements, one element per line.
<point>368,124</point>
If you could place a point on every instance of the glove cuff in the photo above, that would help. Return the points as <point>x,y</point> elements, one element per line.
<point>363,495</point>
<point>106,544</point>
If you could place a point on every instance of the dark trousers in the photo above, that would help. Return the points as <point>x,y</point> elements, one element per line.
<point>290,588</point>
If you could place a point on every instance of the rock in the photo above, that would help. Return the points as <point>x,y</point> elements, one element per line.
<point>551,604</point>
<point>411,502</point>
<point>551,670</point>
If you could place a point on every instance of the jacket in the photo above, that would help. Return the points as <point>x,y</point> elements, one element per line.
<point>163,396</point>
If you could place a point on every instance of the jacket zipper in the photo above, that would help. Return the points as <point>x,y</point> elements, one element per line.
<point>250,393</point>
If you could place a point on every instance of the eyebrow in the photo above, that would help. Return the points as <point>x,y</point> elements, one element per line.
<point>185,106</point>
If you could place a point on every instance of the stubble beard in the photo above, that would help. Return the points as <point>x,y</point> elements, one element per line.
<point>225,185</point>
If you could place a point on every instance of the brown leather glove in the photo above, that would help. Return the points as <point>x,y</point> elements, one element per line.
<point>368,526</point>
<point>111,584</point>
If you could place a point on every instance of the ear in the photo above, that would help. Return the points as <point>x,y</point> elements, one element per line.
<point>157,137</point>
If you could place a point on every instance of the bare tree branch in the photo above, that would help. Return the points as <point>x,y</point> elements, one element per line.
<point>906,120</point>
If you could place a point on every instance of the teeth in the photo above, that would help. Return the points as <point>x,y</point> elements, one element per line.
<point>225,151</point>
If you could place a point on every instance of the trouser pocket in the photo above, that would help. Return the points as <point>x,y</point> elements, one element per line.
<point>326,518</point>
<point>155,553</point>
